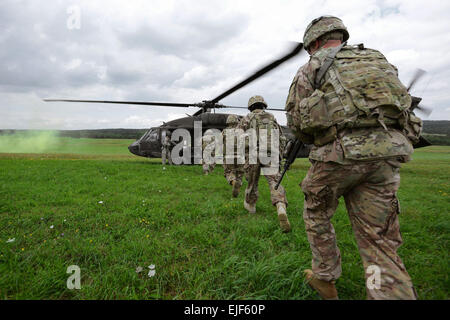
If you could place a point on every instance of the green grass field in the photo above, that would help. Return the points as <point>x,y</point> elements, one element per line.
<point>90,203</point>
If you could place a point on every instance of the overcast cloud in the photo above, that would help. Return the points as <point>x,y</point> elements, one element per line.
<point>189,51</point>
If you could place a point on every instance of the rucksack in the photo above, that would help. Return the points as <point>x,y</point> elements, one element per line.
<point>354,87</point>
<point>265,120</point>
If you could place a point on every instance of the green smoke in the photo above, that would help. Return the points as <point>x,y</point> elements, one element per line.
<point>28,142</point>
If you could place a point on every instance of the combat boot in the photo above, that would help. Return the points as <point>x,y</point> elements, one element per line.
<point>236,187</point>
<point>250,207</point>
<point>326,290</point>
<point>282,217</point>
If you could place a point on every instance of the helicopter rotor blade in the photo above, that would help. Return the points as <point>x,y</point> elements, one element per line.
<point>415,106</point>
<point>205,104</point>
<point>199,112</point>
<point>419,73</point>
<point>260,72</point>
<point>424,110</point>
<point>144,103</point>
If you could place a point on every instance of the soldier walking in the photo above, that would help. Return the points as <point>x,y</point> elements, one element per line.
<point>166,148</point>
<point>348,102</point>
<point>259,119</point>
<point>232,166</point>
<point>208,148</point>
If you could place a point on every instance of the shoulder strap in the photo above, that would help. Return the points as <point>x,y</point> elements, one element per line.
<point>327,64</point>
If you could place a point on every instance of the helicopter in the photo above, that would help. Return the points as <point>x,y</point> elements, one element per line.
<point>150,144</point>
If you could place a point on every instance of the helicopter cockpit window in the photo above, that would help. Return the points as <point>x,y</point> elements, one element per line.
<point>153,135</point>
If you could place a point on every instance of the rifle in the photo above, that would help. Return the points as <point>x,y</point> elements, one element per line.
<point>290,158</point>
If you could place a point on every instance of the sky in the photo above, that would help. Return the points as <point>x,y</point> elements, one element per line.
<point>190,51</point>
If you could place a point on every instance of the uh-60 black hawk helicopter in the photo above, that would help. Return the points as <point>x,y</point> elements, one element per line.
<point>150,144</point>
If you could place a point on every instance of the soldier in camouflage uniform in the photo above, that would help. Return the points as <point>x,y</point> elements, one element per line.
<point>233,169</point>
<point>348,102</point>
<point>258,119</point>
<point>208,165</point>
<point>166,148</point>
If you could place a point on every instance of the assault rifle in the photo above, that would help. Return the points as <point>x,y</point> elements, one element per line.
<point>290,158</point>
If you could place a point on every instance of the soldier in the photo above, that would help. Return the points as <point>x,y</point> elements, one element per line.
<point>259,119</point>
<point>208,165</point>
<point>166,148</point>
<point>233,170</point>
<point>348,101</point>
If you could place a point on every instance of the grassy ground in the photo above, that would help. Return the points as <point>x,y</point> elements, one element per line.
<point>109,212</point>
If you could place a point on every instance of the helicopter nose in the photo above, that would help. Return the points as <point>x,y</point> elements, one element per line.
<point>134,148</point>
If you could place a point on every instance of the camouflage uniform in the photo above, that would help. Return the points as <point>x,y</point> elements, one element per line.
<point>359,163</point>
<point>166,149</point>
<point>253,171</point>
<point>207,145</point>
<point>233,169</point>
<point>233,172</point>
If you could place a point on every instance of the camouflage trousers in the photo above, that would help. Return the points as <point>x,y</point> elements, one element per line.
<point>165,155</point>
<point>233,172</point>
<point>370,193</point>
<point>207,168</point>
<point>252,174</point>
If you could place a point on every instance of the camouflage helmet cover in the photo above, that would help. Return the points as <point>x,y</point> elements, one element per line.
<point>232,119</point>
<point>256,99</point>
<point>322,25</point>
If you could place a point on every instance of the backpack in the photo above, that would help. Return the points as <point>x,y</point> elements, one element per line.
<point>265,120</point>
<point>354,87</point>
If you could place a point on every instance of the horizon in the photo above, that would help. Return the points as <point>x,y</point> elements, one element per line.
<point>187,51</point>
<point>144,128</point>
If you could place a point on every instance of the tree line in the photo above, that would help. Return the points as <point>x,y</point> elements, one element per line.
<point>436,131</point>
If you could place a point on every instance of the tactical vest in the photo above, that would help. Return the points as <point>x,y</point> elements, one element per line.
<point>359,88</point>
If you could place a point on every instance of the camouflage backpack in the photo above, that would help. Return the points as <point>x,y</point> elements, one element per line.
<point>355,87</point>
<point>209,142</point>
<point>264,120</point>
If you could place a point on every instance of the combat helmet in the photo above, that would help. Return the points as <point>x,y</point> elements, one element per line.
<point>322,25</point>
<point>254,100</point>
<point>232,120</point>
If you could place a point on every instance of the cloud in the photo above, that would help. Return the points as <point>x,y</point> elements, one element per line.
<point>189,51</point>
